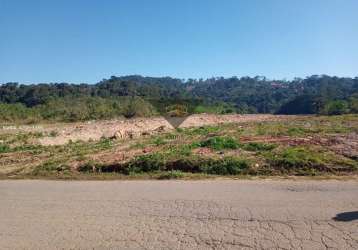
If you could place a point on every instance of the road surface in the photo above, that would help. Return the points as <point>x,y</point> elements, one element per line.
<point>225,214</point>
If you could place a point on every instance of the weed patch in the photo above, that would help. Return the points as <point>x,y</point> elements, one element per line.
<point>4,148</point>
<point>155,162</point>
<point>159,141</point>
<point>225,166</point>
<point>51,167</point>
<point>257,146</point>
<point>297,159</point>
<point>220,143</point>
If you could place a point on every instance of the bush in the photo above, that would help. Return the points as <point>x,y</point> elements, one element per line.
<point>336,108</point>
<point>191,165</point>
<point>87,167</point>
<point>219,143</point>
<point>353,104</point>
<point>256,146</point>
<point>225,166</point>
<point>145,163</point>
<point>18,112</point>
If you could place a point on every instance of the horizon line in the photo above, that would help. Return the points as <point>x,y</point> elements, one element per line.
<point>181,79</point>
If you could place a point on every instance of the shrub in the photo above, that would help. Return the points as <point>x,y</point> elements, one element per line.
<point>145,163</point>
<point>353,104</point>
<point>87,167</point>
<point>191,165</point>
<point>219,143</point>
<point>336,108</point>
<point>256,146</point>
<point>225,166</point>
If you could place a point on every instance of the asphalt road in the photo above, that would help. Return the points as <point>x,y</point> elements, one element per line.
<point>225,214</point>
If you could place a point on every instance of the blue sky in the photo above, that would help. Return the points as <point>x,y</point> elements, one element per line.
<point>85,41</point>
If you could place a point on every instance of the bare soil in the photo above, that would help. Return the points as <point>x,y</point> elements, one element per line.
<point>128,128</point>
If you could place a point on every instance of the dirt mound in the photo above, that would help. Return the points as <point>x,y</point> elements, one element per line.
<point>207,119</point>
<point>59,134</point>
<point>119,129</point>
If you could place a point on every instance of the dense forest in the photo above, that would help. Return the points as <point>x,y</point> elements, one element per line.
<point>131,96</point>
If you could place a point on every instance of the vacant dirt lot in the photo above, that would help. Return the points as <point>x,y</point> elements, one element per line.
<point>262,144</point>
<point>179,215</point>
<point>126,128</point>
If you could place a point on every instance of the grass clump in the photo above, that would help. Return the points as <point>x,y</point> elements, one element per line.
<point>53,133</point>
<point>4,148</point>
<point>159,141</point>
<point>181,150</point>
<point>225,166</point>
<point>257,146</point>
<point>296,131</point>
<point>220,143</point>
<point>145,163</point>
<point>202,131</point>
<point>51,167</point>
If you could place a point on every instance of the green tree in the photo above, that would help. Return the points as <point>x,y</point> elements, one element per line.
<point>338,107</point>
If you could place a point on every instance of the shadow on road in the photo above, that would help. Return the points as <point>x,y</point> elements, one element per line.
<point>346,216</point>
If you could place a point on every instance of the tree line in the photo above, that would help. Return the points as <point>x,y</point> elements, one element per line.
<point>129,95</point>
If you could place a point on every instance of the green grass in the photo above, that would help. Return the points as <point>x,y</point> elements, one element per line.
<point>298,161</point>
<point>159,141</point>
<point>296,157</point>
<point>155,162</point>
<point>4,148</point>
<point>226,166</point>
<point>257,146</point>
<point>220,143</point>
<point>51,168</point>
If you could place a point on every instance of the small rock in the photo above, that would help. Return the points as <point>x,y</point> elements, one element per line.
<point>160,128</point>
<point>118,135</point>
